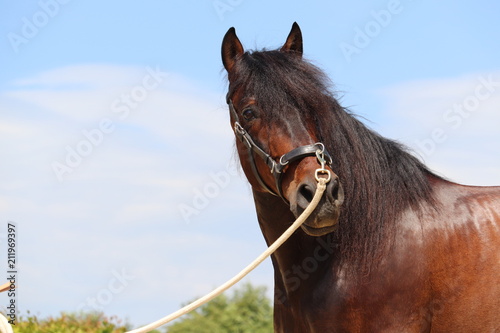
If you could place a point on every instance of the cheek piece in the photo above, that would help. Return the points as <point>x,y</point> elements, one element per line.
<point>277,167</point>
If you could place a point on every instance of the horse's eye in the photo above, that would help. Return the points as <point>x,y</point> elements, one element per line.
<point>248,114</point>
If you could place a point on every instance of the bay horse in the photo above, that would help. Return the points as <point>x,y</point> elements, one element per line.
<point>391,247</point>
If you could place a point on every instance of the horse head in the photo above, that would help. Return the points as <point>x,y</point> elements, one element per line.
<point>276,105</point>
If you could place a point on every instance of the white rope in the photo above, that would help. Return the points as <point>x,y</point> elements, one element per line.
<point>4,287</point>
<point>5,327</point>
<point>270,250</point>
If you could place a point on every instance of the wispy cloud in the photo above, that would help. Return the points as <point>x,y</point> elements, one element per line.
<point>119,207</point>
<point>452,123</point>
<point>82,76</point>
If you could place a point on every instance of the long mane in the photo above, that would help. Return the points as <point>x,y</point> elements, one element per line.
<point>381,178</point>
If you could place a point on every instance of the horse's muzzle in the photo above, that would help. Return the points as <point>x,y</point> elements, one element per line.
<point>324,219</point>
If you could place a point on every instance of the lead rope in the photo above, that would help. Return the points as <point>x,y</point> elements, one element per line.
<point>5,326</point>
<point>270,250</point>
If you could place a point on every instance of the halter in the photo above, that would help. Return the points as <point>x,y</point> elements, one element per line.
<point>276,168</point>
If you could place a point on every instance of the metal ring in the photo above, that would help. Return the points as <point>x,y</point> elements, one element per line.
<point>320,156</point>
<point>238,128</point>
<point>322,146</point>
<point>274,166</point>
<point>324,171</point>
<point>281,160</point>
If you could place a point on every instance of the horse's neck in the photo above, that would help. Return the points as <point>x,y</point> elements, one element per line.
<point>299,250</point>
<point>271,213</point>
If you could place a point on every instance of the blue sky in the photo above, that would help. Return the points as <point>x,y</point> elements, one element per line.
<point>126,100</point>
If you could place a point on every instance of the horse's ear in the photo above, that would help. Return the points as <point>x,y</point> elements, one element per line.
<point>231,49</point>
<point>294,40</point>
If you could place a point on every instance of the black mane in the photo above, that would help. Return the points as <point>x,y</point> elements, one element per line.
<point>381,178</point>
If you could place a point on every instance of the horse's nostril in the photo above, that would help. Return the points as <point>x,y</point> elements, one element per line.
<point>334,188</point>
<point>306,192</point>
<point>336,192</point>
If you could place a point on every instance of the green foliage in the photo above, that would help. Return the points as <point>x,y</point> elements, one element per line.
<point>70,323</point>
<point>248,310</point>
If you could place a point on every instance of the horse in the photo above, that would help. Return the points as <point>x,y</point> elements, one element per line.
<point>391,246</point>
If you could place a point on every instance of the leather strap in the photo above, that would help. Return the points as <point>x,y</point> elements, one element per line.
<point>276,168</point>
<point>301,152</point>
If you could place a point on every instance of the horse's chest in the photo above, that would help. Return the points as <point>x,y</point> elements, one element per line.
<point>360,312</point>
<point>385,303</point>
